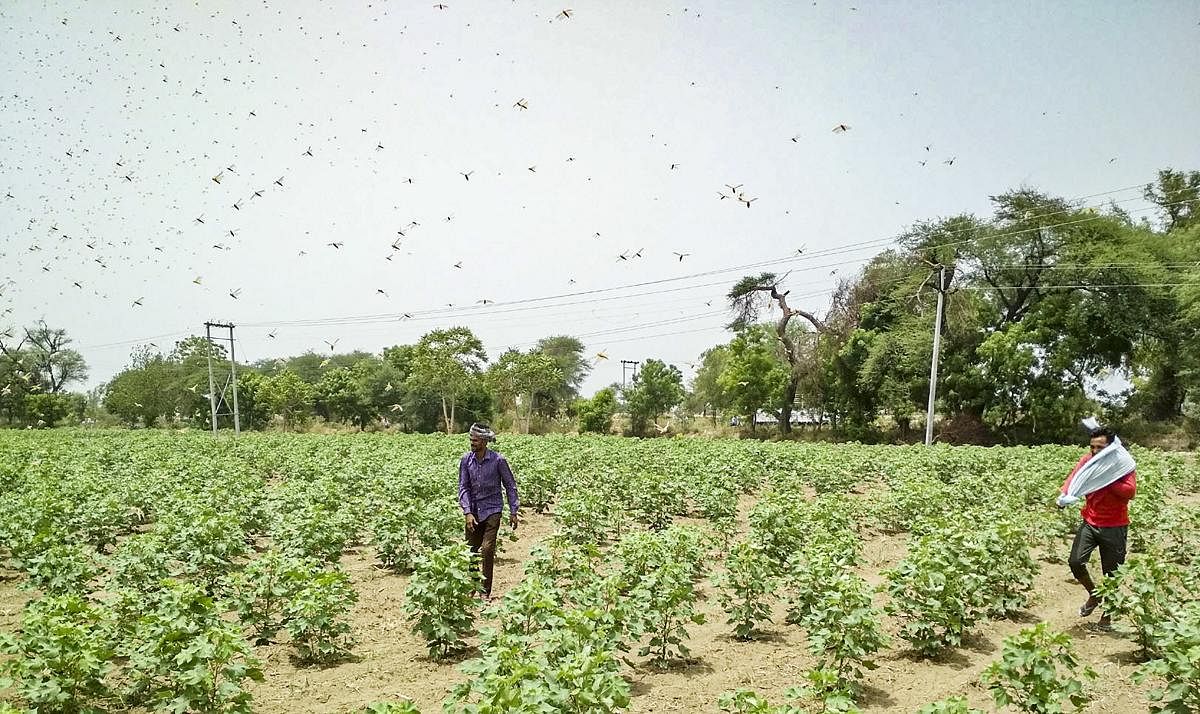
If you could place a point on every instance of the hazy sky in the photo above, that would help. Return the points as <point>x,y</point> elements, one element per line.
<point>1072,98</point>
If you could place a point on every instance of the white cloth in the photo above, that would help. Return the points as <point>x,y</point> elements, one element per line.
<point>483,433</point>
<point>1104,468</point>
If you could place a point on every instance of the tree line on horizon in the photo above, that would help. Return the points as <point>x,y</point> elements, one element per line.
<point>1046,303</point>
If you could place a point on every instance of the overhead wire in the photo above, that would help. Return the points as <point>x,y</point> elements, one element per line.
<point>1091,286</point>
<point>437,312</point>
<point>841,250</point>
<point>640,326</point>
<point>1087,219</point>
<point>485,311</point>
<point>767,263</point>
<point>528,303</point>
<point>1094,266</point>
<point>648,325</point>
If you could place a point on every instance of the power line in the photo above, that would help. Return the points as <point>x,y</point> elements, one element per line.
<point>641,326</point>
<point>524,301</point>
<point>416,318</point>
<point>851,247</point>
<point>631,328</point>
<point>140,340</point>
<point>459,312</point>
<point>1088,219</point>
<point>986,288</point>
<point>664,334</point>
<point>1096,266</point>
<point>481,312</point>
<point>673,307</point>
<point>488,312</point>
<point>767,263</point>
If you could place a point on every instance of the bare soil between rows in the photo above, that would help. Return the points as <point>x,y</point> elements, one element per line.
<point>391,663</point>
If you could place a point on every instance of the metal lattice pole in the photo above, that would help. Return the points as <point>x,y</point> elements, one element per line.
<point>627,364</point>
<point>218,399</point>
<point>212,387</point>
<point>237,418</point>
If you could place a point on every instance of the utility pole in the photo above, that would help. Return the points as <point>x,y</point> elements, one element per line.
<point>626,363</point>
<point>937,344</point>
<point>217,401</point>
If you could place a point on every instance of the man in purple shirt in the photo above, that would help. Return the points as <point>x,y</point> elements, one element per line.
<point>481,473</point>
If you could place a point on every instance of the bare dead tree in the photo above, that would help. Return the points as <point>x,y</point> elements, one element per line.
<point>747,299</point>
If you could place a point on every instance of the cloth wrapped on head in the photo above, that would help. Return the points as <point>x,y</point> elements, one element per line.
<point>483,431</point>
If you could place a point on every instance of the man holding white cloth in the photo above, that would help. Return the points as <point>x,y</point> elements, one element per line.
<point>1107,478</point>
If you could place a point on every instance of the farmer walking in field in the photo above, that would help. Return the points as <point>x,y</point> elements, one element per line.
<point>481,473</point>
<point>1107,479</point>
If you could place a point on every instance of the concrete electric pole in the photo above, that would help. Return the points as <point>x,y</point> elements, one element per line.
<point>937,345</point>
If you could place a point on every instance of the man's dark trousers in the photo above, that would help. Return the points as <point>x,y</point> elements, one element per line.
<point>1110,541</point>
<point>483,538</point>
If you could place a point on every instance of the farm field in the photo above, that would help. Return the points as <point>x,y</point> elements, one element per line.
<point>161,571</point>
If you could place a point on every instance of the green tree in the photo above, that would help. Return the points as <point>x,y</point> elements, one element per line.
<point>596,414</point>
<point>1164,361</point>
<point>448,364</point>
<point>341,396</point>
<point>1177,193</point>
<point>49,355</point>
<point>1086,305</point>
<point>400,358</point>
<point>16,382</point>
<point>39,362</point>
<point>46,410</point>
<point>382,386</point>
<point>476,403</point>
<point>1073,279</point>
<point>568,354</point>
<point>886,362</point>
<point>753,376</point>
<point>707,394</point>
<point>518,376</point>
<point>195,347</point>
<point>850,376</point>
<point>308,366</point>
<point>288,396</point>
<point>416,407</point>
<point>145,391</point>
<point>1009,363</point>
<point>656,389</point>
<point>252,411</point>
<point>1187,332</point>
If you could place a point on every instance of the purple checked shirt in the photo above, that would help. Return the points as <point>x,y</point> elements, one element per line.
<point>479,485</point>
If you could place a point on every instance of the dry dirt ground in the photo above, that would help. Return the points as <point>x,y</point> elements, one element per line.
<point>391,660</point>
<point>393,664</point>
